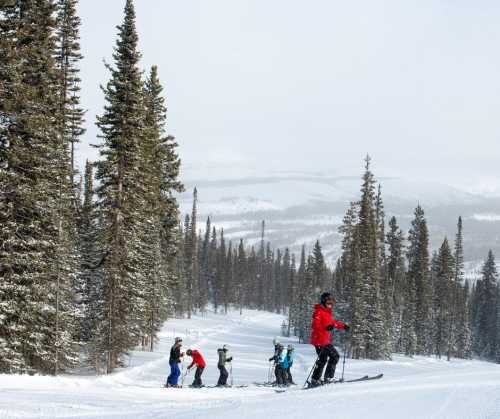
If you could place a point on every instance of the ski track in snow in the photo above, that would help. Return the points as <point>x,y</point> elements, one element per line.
<point>411,388</point>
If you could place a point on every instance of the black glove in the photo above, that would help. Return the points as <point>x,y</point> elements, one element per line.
<point>330,327</point>
<point>271,359</point>
<point>229,359</point>
<point>347,327</point>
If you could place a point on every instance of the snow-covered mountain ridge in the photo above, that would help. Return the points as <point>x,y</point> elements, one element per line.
<point>301,207</point>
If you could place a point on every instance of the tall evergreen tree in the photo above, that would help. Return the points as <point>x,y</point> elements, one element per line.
<point>486,332</point>
<point>120,194</point>
<point>442,301</point>
<point>395,286</point>
<point>68,57</point>
<point>36,268</point>
<point>418,274</point>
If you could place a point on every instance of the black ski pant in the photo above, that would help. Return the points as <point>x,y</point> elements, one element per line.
<point>327,355</point>
<point>223,376</point>
<point>197,377</point>
<point>289,378</point>
<point>281,375</point>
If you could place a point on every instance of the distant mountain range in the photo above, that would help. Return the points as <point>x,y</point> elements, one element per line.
<point>299,208</point>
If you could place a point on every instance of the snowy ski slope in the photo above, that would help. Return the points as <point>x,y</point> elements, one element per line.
<point>411,388</point>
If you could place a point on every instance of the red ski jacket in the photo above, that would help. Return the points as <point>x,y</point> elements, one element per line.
<point>197,359</point>
<point>321,319</point>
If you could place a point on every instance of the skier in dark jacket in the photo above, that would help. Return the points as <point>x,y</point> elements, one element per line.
<point>322,325</point>
<point>279,359</point>
<point>174,361</point>
<point>221,364</point>
<point>200,366</point>
<point>275,356</point>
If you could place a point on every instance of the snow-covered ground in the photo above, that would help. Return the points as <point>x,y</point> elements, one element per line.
<point>411,388</point>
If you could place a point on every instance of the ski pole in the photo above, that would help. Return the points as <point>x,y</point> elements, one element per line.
<point>343,362</point>
<point>184,376</point>
<point>269,372</point>
<point>231,373</point>
<point>312,369</point>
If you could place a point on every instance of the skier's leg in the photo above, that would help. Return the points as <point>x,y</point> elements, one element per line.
<point>279,375</point>
<point>320,364</point>
<point>197,377</point>
<point>219,381</point>
<point>289,375</point>
<point>333,358</point>
<point>224,375</point>
<point>176,373</point>
<point>171,378</point>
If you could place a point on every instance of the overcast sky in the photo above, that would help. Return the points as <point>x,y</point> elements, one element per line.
<point>315,85</point>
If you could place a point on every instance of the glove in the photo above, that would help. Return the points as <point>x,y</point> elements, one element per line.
<point>229,359</point>
<point>271,359</point>
<point>330,327</point>
<point>347,327</point>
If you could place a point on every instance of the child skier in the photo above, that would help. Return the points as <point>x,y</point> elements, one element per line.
<point>174,361</point>
<point>289,359</point>
<point>277,345</point>
<point>200,366</point>
<point>222,366</point>
<point>279,359</point>
<point>322,325</point>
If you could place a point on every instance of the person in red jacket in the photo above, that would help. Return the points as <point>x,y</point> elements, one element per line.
<point>200,366</point>
<point>322,325</point>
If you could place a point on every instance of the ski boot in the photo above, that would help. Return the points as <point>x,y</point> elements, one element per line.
<point>314,383</point>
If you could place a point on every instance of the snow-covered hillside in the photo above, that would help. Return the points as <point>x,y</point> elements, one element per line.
<point>411,388</point>
<point>300,208</point>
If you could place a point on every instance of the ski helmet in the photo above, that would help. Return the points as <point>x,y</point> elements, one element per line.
<point>225,348</point>
<point>325,297</point>
<point>276,341</point>
<point>178,340</point>
<point>290,348</point>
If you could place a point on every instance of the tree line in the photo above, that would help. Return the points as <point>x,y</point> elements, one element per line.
<point>94,264</point>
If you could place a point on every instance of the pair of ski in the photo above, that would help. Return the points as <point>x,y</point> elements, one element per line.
<point>267,384</point>
<point>355,380</point>
<point>200,387</point>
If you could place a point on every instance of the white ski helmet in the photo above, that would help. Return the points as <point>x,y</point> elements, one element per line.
<point>276,341</point>
<point>225,348</point>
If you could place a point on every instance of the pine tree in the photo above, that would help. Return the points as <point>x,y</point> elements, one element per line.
<point>68,58</point>
<point>91,284</point>
<point>241,272</point>
<point>464,332</point>
<point>459,329</point>
<point>486,331</point>
<point>418,274</point>
<point>442,301</point>
<point>191,256</point>
<point>205,268</point>
<point>39,319</point>
<point>319,269</point>
<point>371,323</point>
<point>120,195</point>
<point>395,286</point>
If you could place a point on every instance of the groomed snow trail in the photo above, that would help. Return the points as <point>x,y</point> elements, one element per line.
<point>411,388</point>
